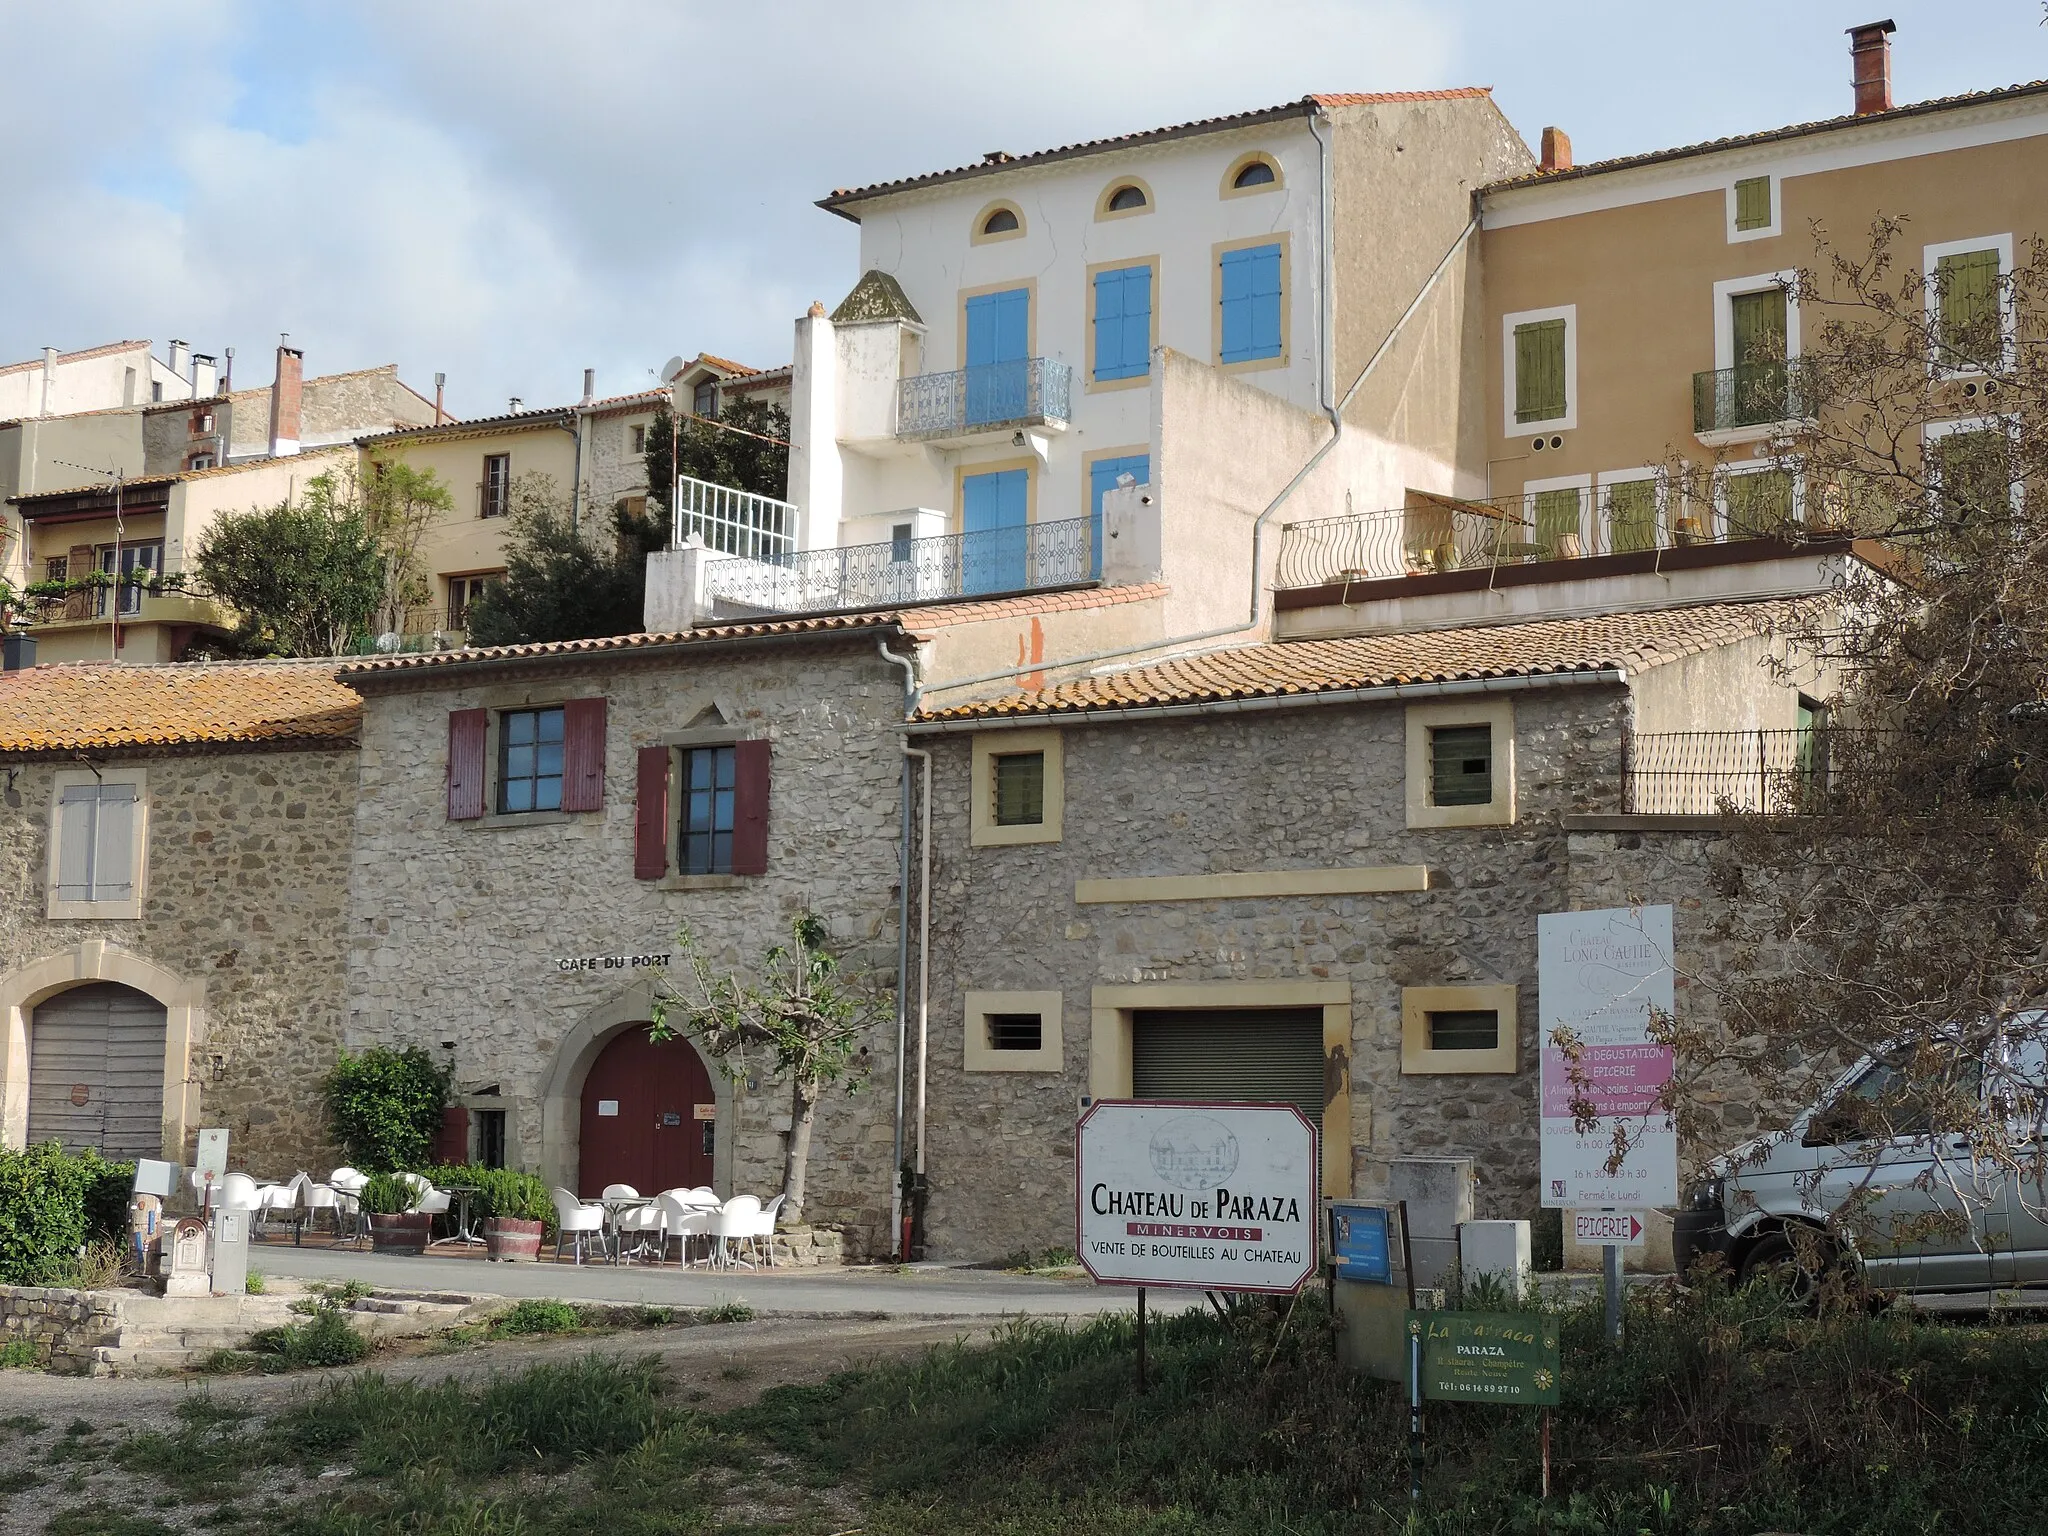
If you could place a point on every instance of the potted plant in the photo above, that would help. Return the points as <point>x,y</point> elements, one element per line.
<point>395,1227</point>
<point>515,1207</point>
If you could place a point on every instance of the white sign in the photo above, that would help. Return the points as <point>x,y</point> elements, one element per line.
<point>1214,1197</point>
<point>1607,1229</point>
<point>607,1106</point>
<point>212,1158</point>
<point>570,964</point>
<point>1600,975</point>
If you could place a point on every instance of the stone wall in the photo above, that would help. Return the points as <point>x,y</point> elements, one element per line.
<point>455,927</point>
<point>63,1326</point>
<point>246,895</point>
<point>1315,788</point>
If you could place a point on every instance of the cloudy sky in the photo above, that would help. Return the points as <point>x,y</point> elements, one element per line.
<point>509,192</point>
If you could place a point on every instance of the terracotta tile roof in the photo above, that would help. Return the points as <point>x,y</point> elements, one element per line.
<point>1628,641</point>
<point>915,621</point>
<point>1771,135</point>
<point>766,376</point>
<point>639,399</point>
<point>843,198</point>
<point>75,357</point>
<point>550,416</point>
<point>82,706</point>
<point>726,363</point>
<point>308,456</point>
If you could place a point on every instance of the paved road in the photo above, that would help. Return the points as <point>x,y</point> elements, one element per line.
<point>921,1292</point>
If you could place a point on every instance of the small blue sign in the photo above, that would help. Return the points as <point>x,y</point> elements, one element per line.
<point>1359,1243</point>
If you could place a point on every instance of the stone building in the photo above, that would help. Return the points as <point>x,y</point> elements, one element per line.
<point>1308,870</point>
<point>176,839</point>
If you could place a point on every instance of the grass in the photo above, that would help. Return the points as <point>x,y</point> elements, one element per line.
<point>202,1458</point>
<point>253,1283</point>
<point>19,1354</point>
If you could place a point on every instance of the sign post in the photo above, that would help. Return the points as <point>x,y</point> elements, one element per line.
<point>1194,1195</point>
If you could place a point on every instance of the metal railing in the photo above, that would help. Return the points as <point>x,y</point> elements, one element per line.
<point>1699,773</point>
<point>1436,534</point>
<point>1750,395</point>
<point>955,565</point>
<point>1027,392</point>
<point>733,522</point>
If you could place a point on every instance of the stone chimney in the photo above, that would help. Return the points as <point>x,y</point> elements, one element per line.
<point>285,400</point>
<point>1870,60</point>
<point>1557,150</point>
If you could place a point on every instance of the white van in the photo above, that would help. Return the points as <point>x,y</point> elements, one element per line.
<point>1916,1210</point>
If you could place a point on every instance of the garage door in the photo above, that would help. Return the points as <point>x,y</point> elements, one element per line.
<point>96,1071</point>
<point>1275,1055</point>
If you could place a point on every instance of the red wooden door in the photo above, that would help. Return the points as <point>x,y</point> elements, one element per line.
<point>640,1107</point>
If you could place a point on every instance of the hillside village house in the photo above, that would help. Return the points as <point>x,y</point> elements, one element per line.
<point>175,845</point>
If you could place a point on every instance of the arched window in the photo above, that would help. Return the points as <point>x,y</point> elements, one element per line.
<point>1001,222</point>
<point>1255,174</point>
<point>1125,198</point>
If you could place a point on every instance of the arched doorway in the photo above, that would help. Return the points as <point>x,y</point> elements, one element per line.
<point>96,1071</point>
<point>640,1116</point>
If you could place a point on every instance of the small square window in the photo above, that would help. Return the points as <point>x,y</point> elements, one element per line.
<point>1020,789</point>
<point>529,761</point>
<point>1464,1029</point>
<point>707,782</point>
<point>636,439</point>
<point>1461,765</point>
<point>1753,202</point>
<point>1015,1032</point>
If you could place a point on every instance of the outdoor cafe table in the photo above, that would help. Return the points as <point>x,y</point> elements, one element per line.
<point>463,1235</point>
<point>614,1206</point>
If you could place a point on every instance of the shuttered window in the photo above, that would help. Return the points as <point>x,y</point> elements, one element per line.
<point>1557,518</point>
<point>529,760</point>
<point>721,811</point>
<point>650,813</point>
<point>1968,332</point>
<point>466,731</point>
<point>1758,323</point>
<point>1236,1054</point>
<point>1461,765</point>
<point>1020,789</point>
<point>1250,283</point>
<point>583,755</point>
<point>705,784</point>
<point>1631,516</point>
<point>1123,323</point>
<point>1539,371</point>
<point>96,842</point>
<point>1970,471</point>
<point>96,1071</point>
<point>1753,203</point>
<point>1759,503</point>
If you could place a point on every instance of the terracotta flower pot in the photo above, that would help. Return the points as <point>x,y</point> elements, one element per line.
<point>509,1238</point>
<point>405,1233</point>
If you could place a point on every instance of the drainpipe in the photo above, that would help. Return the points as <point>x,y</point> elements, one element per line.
<point>910,702</point>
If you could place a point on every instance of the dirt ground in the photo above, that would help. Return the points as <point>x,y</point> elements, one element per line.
<point>713,1366</point>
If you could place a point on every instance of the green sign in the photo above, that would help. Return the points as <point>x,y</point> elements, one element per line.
<point>1487,1357</point>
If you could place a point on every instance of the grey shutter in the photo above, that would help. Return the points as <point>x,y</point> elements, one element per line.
<point>113,861</point>
<point>109,1041</point>
<point>1250,1054</point>
<point>75,819</point>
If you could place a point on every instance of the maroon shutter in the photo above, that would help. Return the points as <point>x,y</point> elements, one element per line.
<point>650,815</point>
<point>452,1148</point>
<point>583,755</point>
<point>750,807</point>
<point>465,764</point>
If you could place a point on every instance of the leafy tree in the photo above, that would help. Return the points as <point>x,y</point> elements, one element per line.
<point>810,1021</point>
<point>385,1106</point>
<point>747,448</point>
<point>561,582</point>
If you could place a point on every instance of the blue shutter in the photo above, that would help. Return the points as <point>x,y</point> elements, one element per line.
<point>1102,476</point>
<point>1251,297</point>
<point>998,355</point>
<point>1123,323</point>
<point>993,537</point>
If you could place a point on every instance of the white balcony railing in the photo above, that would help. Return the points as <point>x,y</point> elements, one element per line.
<point>733,522</point>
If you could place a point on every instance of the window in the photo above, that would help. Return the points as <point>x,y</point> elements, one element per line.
<point>529,761</point>
<point>704,400</point>
<point>156,391</point>
<point>1461,763</point>
<point>1249,283</point>
<point>1001,222</point>
<point>636,438</point>
<point>490,1136</point>
<point>200,461</point>
<point>57,568</point>
<point>1631,515</point>
<point>1120,342</point>
<point>495,492</point>
<point>1756,337</point>
<point>465,590</point>
<point>1540,361</point>
<point>1968,469</point>
<point>1759,503</point>
<point>1019,788</point>
<point>1558,534</point>
<point>899,543</point>
<point>1458,1029</point>
<point>1967,303</point>
<point>998,221</point>
<point>1257,174</point>
<point>1250,174</point>
<point>139,564</point>
<point>1753,202</point>
<point>1124,198</point>
<point>707,781</point>
<point>96,844</point>
<point>1012,1032</point>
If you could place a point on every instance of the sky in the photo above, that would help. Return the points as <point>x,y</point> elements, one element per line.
<point>510,192</point>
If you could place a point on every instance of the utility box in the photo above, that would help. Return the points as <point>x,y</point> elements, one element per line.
<point>1438,1193</point>
<point>1496,1249</point>
<point>230,1251</point>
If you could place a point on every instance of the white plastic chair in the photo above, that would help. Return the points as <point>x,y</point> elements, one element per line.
<point>641,1222</point>
<point>770,1214</point>
<point>682,1218</point>
<point>324,1197</point>
<point>238,1192</point>
<point>575,1219</point>
<point>621,1192</point>
<point>281,1202</point>
<point>701,1197</point>
<point>737,1221</point>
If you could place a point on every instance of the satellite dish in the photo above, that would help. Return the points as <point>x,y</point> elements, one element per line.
<point>671,368</point>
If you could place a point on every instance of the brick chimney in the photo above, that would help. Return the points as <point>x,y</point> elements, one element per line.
<point>1557,150</point>
<point>285,400</point>
<point>1870,59</point>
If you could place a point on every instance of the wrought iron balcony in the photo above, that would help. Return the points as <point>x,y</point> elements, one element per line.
<point>1750,395</point>
<point>1703,773</point>
<point>731,521</point>
<point>861,576</point>
<point>1030,392</point>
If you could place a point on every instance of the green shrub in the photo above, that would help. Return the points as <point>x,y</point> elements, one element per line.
<point>386,1194</point>
<point>18,1353</point>
<point>537,1317</point>
<point>51,1205</point>
<point>385,1106</point>
<point>496,1192</point>
<point>323,1339</point>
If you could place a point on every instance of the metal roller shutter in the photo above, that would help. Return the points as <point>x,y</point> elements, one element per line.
<point>107,1040</point>
<point>1269,1054</point>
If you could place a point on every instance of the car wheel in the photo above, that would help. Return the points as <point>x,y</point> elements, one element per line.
<point>1795,1265</point>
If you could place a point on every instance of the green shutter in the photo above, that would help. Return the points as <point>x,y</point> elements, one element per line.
<point>1753,202</point>
<point>1461,765</point>
<point>1539,371</point>
<point>1759,503</point>
<point>1970,470</point>
<point>1631,516</point>
<point>1759,326</point>
<point>1966,288</point>
<point>1557,514</point>
<point>1020,789</point>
